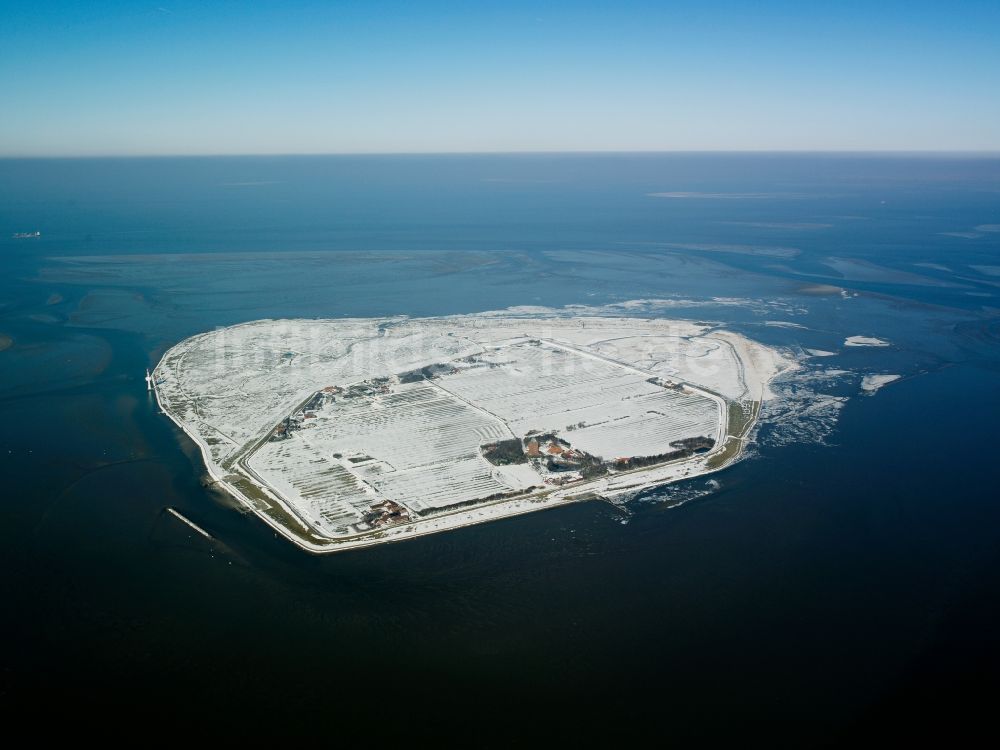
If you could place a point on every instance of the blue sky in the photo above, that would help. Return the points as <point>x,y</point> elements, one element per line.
<point>93,78</point>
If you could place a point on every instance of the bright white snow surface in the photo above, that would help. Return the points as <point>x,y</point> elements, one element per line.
<point>871,383</point>
<point>611,387</point>
<point>864,341</point>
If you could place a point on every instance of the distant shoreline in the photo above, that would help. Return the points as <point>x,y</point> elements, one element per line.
<point>778,153</point>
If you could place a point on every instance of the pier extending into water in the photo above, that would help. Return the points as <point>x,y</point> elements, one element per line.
<point>190,523</point>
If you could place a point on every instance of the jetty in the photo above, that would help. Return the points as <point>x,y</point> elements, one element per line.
<point>190,523</point>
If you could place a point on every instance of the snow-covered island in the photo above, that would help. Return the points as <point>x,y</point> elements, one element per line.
<point>864,341</point>
<point>874,382</point>
<point>353,432</point>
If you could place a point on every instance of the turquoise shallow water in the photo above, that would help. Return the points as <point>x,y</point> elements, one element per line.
<point>820,585</point>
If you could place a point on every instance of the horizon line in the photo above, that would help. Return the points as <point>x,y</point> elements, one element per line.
<point>539,152</point>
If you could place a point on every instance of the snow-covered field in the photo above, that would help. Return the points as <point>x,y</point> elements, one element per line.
<point>328,420</point>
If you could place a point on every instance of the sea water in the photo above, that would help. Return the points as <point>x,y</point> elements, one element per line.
<point>849,550</point>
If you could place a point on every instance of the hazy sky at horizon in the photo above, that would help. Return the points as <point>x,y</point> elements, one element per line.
<point>223,77</point>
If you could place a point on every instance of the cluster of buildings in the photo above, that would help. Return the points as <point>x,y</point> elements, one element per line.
<point>299,419</point>
<point>386,513</point>
<point>557,458</point>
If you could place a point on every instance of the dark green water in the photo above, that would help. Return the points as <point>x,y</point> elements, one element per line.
<point>826,589</point>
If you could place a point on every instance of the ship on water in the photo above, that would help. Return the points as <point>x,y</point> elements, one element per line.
<point>26,235</point>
